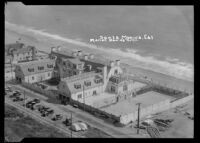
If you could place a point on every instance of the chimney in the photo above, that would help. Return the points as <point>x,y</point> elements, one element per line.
<point>53,49</point>
<point>33,52</point>
<point>79,53</point>
<point>58,48</point>
<point>117,62</point>
<point>91,56</point>
<point>111,63</point>
<point>74,54</point>
<point>86,57</point>
<point>89,67</point>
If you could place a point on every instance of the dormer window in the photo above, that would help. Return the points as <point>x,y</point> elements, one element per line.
<point>87,83</point>
<point>77,85</point>
<point>98,80</point>
<point>31,69</point>
<point>40,68</point>
<point>49,66</point>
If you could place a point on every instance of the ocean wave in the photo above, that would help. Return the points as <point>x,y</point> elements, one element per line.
<point>170,66</point>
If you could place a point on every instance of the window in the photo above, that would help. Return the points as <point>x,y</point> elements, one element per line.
<point>31,69</point>
<point>74,73</point>
<point>87,83</point>
<point>32,77</point>
<point>74,66</point>
<point>49,74</point>
<point>98,80</point>
<point>112,89</point>
<point>49,66</point>
<point>94,92</point>
<point>80,96</point>
<point>125,87</point>
<point>77,86</point>
<point>40,68</point>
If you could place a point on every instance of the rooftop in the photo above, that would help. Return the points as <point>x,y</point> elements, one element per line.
<point>34,65</point>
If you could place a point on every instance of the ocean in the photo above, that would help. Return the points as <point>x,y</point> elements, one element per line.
<point>170,52</point>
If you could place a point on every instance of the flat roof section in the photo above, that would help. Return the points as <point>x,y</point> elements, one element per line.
<point>129,106</point>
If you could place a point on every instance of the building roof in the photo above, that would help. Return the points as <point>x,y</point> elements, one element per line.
<point>14,46</point>
<point>23,50</point>
<point>75,61</point>
<point>34,65</point>
<point>80,80</point>
<point>119,78</point>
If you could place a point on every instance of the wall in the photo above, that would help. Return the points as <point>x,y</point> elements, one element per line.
<point>105,102</point>
<point>38,77</point>
<point>88,93</point>
<point>155,108</point>
<point>38,89</point>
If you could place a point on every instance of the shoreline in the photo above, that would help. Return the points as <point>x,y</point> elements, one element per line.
<point>46,43</point>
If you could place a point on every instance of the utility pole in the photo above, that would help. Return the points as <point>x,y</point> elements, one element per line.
<point>24,100</point>
<point>71,124</point>
<point>11,69</point>
<point>84,96</point>
<point>138,123</point>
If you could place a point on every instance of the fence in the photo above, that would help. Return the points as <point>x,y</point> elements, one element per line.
<point>105,102</point>
<point>181,101</point>
<point>158,107</point>
<point>37,89</point>
<point>94,110</point>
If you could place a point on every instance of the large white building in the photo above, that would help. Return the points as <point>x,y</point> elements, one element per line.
<point>35,71</point>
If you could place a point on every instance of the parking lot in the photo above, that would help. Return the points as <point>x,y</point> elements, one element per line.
<point>45,110</point>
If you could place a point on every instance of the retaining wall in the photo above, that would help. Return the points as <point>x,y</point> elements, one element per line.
<point>38,89</point>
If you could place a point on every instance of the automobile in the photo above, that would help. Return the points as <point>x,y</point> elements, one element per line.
<point>38,106</point>
<point>75,105</point>
<point>36,100</point>
<point>30,104</point>
<point>47,112</point>
<point>57,117</point>
<point>82,125</point>
<point>17,99</point>
<point>14,95</point>
<point>67,122</point>
<point>43,108</point>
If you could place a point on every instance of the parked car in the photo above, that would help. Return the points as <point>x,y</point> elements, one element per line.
<point>17,99</point>
<point>75,105</point>
<point>57,117</point>
<point>75,127</point>
<point>36,100</point>
<point>14,95</point>
<point>67,122</point>
<point>82,125</point>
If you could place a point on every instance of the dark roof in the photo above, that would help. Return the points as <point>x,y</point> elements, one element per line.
<point>14,46</point>
<point>75,61</point>
<point>23,50</point>
<point>35,64</point>
<point>120,78</point>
